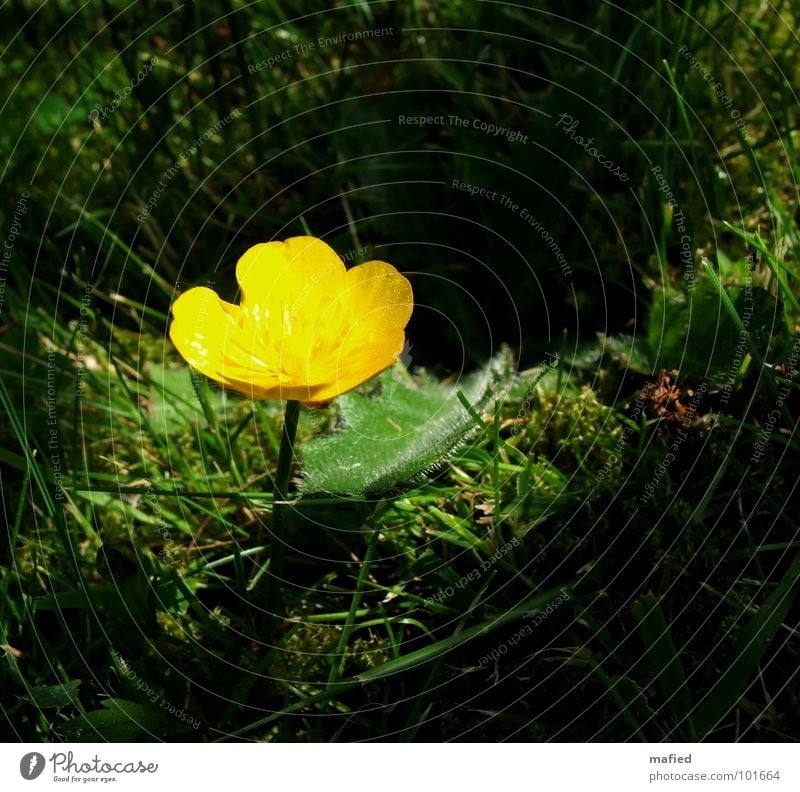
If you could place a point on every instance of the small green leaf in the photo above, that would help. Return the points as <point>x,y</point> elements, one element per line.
<point>119,720</point>
<point>694,333</point>
<point>397,428</point>
<point>45,696</point>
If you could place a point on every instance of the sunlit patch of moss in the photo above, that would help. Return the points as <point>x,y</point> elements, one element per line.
<point>572,430</point>
<point>306,654</point>
<point>186,631</point>
<point>368,652</point>
<point>310,651</point>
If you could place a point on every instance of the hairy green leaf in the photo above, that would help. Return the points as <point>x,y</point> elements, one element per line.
<point>396,428</point>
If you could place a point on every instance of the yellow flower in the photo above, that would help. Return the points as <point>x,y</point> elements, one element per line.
<point>305,329</point>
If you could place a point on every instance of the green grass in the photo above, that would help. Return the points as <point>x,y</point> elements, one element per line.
<point>576,557</point>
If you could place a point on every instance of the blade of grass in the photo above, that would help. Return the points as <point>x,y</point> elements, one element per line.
<point>664,659</point>
<point>429,653</point>
<point>724,694</point>
<point>765,370</point>
<point>341,647</point>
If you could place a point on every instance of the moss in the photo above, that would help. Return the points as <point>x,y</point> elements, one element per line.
<point>571,430</point>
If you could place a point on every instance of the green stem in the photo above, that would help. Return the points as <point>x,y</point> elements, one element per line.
<point>282,476</point>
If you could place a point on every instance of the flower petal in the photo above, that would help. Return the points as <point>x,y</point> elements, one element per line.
<point>199,326</point>
<point>364,327</point>
<point>275,277</point>
<point>382,294</point>
<point>210,335</point>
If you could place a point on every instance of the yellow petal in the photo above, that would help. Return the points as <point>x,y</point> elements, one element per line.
<point>382,295</point>
<point>198,328</point>
<point>364,327</point>
<point>209,334</point>
<point>352,372</point>
<point>275,277</point>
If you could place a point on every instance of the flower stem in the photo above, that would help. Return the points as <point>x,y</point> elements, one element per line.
<point>282,477</point>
